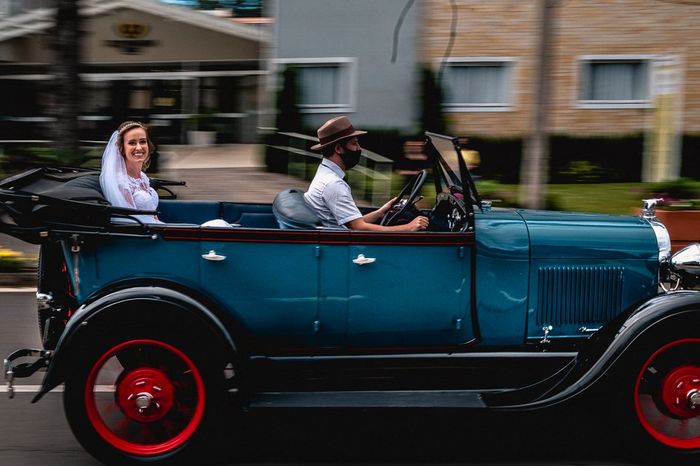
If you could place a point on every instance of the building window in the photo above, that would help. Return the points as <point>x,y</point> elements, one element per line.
<point>97,99</point>
<point>208,95</point>
<point>477,85</point>
<point>614,82</point>
<point>325,85</point>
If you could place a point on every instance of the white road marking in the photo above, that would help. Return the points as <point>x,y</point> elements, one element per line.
<point>59,389</point>
<point>24,289</point>
<point>29,388</point>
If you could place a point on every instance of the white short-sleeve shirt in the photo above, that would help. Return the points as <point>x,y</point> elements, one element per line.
<point>330,196</point>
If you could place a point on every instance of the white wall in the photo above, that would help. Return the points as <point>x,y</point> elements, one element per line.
<point>386,94</point>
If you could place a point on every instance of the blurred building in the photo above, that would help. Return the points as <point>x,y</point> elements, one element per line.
<point>349,59</point>
<point>175,67</point>
<point>625,71</point>
<point>238,8</point>
<point>604,58</point>
<point>622,69</point>
<point>618,68</point>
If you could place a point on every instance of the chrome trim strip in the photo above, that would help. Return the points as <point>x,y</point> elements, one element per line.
<point>495,355</point>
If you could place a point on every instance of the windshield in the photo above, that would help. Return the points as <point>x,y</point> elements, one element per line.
<point>446,147</point>
<point>451,173</point>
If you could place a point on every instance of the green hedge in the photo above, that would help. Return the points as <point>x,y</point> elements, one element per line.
<point>573,159</point>
<point>690,162</point>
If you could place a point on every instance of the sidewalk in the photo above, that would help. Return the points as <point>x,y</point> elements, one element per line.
<point>228,172</point>
<point>176,157</point>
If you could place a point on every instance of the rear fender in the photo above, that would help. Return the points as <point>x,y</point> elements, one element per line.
<point>605,350</point>
<point>127,308</point>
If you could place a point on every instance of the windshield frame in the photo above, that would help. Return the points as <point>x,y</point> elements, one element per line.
<point>461,182</point>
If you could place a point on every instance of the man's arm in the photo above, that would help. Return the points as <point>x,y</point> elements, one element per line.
<point>417,224</point>
<point>376,215</point>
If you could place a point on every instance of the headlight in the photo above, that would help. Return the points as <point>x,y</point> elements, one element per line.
<point>686,264</point>
<point>663,240</point>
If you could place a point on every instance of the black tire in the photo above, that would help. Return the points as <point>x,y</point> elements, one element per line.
<point>146,397</point>
<point>658,416</point>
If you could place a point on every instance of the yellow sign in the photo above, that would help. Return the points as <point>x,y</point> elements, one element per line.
<point>662,158</point>
<point>132,30</point>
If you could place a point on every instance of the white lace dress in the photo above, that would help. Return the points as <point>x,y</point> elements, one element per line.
<point>141,196</point>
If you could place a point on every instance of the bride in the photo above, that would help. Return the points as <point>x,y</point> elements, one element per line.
<point>122,178</point>
<point>123,182</point>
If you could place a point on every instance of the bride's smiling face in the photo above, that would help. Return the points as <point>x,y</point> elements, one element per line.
<point>135,149</point>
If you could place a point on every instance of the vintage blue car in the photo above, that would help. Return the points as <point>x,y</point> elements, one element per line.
<point>154,328</point>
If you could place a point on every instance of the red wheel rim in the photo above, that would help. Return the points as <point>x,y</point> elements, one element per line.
<point>667,394</point>
<point>145,397</point>
<point>145,394</point>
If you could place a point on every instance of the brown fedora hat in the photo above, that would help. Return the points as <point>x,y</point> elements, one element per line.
<point>334,130</point>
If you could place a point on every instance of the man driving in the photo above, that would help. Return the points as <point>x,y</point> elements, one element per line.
<point>329,195</point>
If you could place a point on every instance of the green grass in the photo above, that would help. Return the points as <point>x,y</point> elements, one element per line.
<point>612,198</point>
<point>608,198</point>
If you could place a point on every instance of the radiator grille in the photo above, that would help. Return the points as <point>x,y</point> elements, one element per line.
<point>572,295</point>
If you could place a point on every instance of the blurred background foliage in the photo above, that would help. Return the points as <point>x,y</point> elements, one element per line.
<point>12,261</point>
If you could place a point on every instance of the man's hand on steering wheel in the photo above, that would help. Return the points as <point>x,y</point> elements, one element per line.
<point>387,207</point>
<point>419,223</point>
<point>404,200</point>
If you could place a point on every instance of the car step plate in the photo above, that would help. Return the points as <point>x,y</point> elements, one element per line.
<point>370,399</point>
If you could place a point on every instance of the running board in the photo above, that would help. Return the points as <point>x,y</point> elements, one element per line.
<point>370,399</point>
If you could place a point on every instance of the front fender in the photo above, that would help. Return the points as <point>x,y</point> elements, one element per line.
<point>135,304</point>
<point>605,349</point>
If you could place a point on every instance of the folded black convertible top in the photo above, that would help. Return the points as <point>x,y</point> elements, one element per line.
<point>49,201</point>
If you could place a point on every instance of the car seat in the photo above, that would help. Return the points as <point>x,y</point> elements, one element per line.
<point>292,211</point>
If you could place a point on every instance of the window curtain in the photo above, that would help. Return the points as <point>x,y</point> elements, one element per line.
<point>476,84</point>
<point>320,85</point>
<point>617,81</point>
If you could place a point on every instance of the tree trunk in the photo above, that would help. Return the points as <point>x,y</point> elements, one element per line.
<point>535,168</point>
<point>65,68</point>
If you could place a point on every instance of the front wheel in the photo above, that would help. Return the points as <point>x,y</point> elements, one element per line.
<point>663,411</point>
<point>667,395</point>
<point>143,400</point>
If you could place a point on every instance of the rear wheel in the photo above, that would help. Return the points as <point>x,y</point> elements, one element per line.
<point>148,399</point>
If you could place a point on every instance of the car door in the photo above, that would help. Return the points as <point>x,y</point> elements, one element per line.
<point>403,290</point>
<point>268,279</point>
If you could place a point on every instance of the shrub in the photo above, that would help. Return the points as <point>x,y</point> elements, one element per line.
<point>12,261</point>
<point>679,194</point>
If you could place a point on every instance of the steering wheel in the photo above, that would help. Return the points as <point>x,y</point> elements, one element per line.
<point>413,187</point>
<point>450,213</point>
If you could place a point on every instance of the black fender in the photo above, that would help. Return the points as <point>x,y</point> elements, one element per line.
<point>125,306</point>
<point>605,348</point>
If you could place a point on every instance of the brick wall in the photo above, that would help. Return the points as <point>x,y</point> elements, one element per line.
<point>509,28</point>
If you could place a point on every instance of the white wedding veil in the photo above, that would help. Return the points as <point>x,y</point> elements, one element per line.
<point>113,177</point>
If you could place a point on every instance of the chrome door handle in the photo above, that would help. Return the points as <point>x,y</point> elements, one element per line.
<point>362,260</point>
<point>213,256</point>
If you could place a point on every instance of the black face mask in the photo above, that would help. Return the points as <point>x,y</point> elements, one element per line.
<point>350,157</point>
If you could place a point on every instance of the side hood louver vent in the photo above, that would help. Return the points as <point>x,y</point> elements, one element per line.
<point>567,295</point>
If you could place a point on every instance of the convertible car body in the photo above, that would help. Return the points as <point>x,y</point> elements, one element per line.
<point>153,326</point>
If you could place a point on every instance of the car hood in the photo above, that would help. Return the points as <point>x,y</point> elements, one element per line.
<point>595,236</point>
